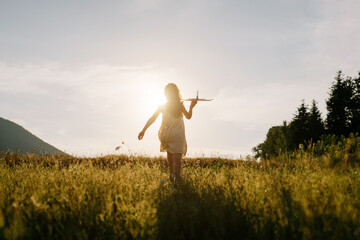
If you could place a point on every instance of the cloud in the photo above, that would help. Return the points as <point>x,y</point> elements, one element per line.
<point>87,83</point>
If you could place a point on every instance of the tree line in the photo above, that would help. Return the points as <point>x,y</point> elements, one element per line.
<point>307,125</point>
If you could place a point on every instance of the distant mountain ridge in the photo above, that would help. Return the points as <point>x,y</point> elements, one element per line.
<point>15,138</point>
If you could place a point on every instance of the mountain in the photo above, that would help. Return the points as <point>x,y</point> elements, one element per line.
<point>15,138</point>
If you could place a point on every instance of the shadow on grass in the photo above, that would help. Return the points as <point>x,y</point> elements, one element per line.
<point>191,212</point>
<point>188,214</point>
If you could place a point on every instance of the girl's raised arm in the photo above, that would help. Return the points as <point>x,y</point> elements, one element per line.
<point>151,120</point>
<point>188,114</point>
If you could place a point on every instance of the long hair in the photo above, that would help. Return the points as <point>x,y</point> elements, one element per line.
<point>174,102</point>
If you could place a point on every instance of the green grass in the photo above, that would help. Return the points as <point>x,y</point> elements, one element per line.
<point>123,197</point>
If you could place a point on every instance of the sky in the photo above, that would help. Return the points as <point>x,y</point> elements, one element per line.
<point>85,76</point>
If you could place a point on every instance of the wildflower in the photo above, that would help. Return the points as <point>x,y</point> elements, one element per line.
<point>37,204</point>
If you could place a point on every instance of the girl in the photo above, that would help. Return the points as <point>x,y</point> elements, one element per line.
<point>172,130</point>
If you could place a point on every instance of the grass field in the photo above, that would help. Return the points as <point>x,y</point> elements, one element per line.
<point>124,197</point>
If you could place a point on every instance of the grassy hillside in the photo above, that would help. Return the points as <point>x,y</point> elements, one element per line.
<point>126,197</point>
<point>14,138</point>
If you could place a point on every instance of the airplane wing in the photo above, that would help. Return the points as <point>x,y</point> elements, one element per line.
<point>199,100</point>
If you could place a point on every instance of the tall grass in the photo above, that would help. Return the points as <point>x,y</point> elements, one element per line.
<point>329,151</point>
<point>124,197</point>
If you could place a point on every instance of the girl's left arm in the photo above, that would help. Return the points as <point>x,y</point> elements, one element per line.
<point>188,114</point>
<point>151,120</point>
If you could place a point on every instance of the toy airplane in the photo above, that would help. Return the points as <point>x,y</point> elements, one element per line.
<point>197,98</point>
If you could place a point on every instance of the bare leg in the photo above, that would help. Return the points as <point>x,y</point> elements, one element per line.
<point>171,165</point>
<point>177,161</point>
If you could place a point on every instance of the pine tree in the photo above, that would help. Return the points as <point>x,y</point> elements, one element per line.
<point>300,126</point>
<point>338,105</point>
<point>316,124</point>
<point>355,106</point>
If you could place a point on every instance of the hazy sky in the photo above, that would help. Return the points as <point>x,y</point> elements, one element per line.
<point>86,75</point>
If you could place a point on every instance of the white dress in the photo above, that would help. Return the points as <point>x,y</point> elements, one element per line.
<point>172,133</point>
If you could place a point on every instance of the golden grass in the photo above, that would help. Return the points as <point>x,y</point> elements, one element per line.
<point>125,197</point>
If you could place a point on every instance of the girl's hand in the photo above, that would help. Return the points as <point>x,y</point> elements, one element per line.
<point>193,103</point>
<point>141,135</point>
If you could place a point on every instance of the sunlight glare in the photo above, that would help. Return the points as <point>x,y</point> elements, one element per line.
<point>153,96</point>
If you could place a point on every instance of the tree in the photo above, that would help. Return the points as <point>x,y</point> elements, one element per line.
<point>338,105</point>
<point>316,124</point>
<point>343,117</point>
<point>355,106</point>
<point>276,141</point>
<point>300,126</point>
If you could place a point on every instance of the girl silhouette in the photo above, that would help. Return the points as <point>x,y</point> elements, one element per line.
<point>172,131</point>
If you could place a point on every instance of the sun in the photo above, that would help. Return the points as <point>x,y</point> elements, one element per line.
<point>152,98</point>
